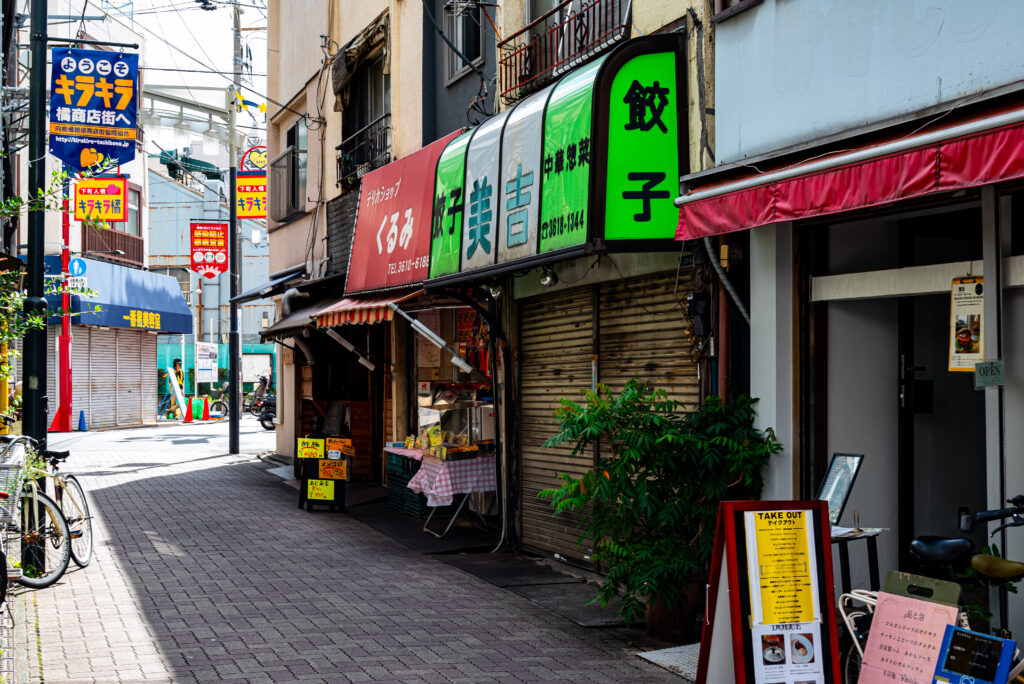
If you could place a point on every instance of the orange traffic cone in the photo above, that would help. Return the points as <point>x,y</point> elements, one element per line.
<point>206,408</point>
<point>188,410</point>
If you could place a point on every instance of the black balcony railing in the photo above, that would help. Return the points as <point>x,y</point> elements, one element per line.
<point>562,39</point>
<point>365,150</point>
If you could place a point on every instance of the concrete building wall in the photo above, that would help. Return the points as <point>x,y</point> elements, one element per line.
<point>789,71</point>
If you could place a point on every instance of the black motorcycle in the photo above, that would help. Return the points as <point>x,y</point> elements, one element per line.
<point>268,411</point>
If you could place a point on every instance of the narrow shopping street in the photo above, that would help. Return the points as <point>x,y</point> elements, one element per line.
<point>205,570</point>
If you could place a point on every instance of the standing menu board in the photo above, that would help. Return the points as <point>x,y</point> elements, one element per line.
<point>771,608</point>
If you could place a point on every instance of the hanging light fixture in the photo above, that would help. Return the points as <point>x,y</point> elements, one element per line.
<point>548,276</point>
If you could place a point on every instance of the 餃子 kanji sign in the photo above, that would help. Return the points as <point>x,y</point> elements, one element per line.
<point>93,107</point>
<point>391,245</point>
<point>594,159</point>
<point>209,248</point>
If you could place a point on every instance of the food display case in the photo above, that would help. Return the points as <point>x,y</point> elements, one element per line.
<point>456,420</point>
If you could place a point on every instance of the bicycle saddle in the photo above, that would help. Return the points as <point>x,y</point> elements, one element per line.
<point>58,455</point>
<point>997,568</point>
<point>940,550</point>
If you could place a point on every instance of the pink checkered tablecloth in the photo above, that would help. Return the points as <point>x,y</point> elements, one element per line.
<point>442,480</point>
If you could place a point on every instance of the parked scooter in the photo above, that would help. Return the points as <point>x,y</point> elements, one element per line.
<point>268,412</point>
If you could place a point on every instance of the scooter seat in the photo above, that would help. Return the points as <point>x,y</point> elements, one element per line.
<point>997,568</point>
<point>931,550</point>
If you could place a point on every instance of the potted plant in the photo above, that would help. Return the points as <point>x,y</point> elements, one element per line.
<point>649,507</point>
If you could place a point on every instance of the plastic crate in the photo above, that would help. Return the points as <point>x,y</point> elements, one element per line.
<point>403,499</point>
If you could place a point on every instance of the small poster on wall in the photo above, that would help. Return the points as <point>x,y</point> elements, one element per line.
<point>428,356</point>
<point>966,331</point>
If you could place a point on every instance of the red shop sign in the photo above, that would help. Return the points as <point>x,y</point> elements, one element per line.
<point>209,248</point>
<point>391,246</point>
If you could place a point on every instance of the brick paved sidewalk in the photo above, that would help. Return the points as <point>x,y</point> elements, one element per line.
<point>205,570</point>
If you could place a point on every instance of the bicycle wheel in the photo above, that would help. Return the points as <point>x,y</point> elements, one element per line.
<point>40,546</point>
<point>76,511</point>
<point>219,408</point>
<point>849,656</point>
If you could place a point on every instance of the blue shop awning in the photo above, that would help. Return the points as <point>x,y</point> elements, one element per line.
<point>127,297</point>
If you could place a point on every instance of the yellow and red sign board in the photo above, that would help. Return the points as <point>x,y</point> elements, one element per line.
<point>251,195</point>
<point>310,448</point>
<point>320,490</point>
<point>101,199</point>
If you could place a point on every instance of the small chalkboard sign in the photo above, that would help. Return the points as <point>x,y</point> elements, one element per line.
<point>974,657</point>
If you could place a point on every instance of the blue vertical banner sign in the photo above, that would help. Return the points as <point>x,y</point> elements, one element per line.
<point>93,107</point>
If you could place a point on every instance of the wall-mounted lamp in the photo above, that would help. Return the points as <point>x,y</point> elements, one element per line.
<point>548,276</point>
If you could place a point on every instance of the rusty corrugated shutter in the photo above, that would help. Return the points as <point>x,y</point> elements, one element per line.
<point>641,332</point>
<point>556,337</point>
<point>643,335</point>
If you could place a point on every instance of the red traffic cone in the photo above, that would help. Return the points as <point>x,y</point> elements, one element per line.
<point>188,410</point>
<point>206,408</point>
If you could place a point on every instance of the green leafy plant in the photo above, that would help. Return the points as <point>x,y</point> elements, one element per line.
<point>649,507</point>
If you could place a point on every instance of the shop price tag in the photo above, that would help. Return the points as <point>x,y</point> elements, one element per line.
<point>331,469</point>
<point>310,448</point>
<point>320,490</point>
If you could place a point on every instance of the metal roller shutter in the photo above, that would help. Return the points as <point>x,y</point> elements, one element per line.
<point>149,378</point>
<point>129,376</point>
<point>102,377</point>
<point>642,334</point>
<point>80,374</point>
<point>52,387</point>
<point>556,334</point>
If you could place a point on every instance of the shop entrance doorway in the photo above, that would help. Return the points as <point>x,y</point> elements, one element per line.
<point>881,383</point>
<point>941,429</point>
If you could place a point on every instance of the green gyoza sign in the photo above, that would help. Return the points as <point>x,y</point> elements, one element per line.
<point>565,177</point>
<point>449,202</point>
<point>614,146</point>
<point>643,150</point>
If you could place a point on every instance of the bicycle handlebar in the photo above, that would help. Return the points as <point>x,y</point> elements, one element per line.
<point>997,514</point>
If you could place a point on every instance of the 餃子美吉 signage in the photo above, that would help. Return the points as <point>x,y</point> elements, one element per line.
<point>391,245</point>
<point>480,212</point>
<point>565,176</point>
<point>594,158</point>
<point>642,169</point>
<point>93,107</point>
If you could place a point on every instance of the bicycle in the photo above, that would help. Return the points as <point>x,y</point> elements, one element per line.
<point>218,403</point>
<point>73,505</point>
<point>939,554</point>
<point>36,536</point>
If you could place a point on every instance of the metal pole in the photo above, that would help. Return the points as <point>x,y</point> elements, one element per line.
<point>34,388</point>
<point>62,421</point>
<point>234,257</point>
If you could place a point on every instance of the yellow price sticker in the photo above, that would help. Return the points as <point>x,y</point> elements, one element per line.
<point>320,490</point>
<point>310,448</point>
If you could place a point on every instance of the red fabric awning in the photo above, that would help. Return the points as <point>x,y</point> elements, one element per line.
<point>353,310</point>
<point>967,161</point>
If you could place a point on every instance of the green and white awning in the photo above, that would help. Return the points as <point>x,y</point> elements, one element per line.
<point>589,164</point>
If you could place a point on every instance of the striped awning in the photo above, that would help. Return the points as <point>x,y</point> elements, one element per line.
<point>358,310</point>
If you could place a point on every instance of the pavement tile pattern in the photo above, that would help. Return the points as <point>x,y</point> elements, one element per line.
<point>205,570</point>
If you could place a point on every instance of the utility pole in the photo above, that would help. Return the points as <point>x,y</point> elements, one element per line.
<point>235,246</point>
<point>34,387</point>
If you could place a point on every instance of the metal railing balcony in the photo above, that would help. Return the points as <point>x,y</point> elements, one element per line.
<point>571,34</point>
<point>365,150</point>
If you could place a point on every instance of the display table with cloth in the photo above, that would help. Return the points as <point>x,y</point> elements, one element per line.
<point>441,480</point>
